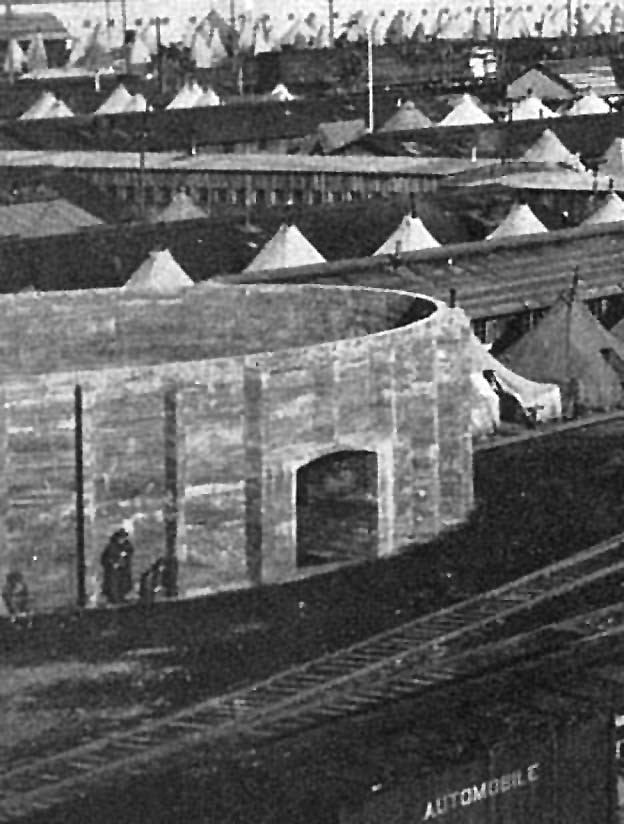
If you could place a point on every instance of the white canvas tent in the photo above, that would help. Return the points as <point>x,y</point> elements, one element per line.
<point>409,236</point>
<point>159,274</point>
<point>287,247</point>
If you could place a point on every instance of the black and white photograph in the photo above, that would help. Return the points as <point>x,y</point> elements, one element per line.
<point>311,412</point>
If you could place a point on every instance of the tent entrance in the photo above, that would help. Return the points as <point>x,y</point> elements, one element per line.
<point>337,508</point>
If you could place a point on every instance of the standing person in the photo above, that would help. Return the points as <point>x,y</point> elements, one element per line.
<point>116,562</point>
<point>15,594</point>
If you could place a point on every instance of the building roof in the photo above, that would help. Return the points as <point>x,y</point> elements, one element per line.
<point>24,25</point>
<point>160,274</point>
<point>409,236</point>
<point>337,135</point>
<point>187,97</point>
<point>38,219</point>
<point>542,83</point>
<point>182,207</point>
<point>549,149</point>
<point>579,73</point>
<point>174,161</point>
<point>609,211</point>
<point>520,221</point>
<point>568,343</point>
<point>465,113</point>
<point>288,247</point>
<point>407,117</point>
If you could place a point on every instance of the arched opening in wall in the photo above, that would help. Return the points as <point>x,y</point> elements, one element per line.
<point>337,508</point>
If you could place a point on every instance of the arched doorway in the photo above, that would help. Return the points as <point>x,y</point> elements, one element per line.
<point>337,508</point>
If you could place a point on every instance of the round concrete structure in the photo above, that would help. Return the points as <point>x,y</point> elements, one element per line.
<point>257,432</point>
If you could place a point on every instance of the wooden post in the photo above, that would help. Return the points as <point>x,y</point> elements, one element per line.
<point>171,490</point>
<point>492,10</point>
<point>81,590</point>
<point>124,28</point>
<point>9,16</point>
<point>371,113</point>
<point>568,331</point>
<point>159,58</point>
<point>330,11</point>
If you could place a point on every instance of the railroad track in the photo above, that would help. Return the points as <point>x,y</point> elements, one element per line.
<point>485,632</point>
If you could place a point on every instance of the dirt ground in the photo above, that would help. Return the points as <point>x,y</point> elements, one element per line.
<point>536,502</point>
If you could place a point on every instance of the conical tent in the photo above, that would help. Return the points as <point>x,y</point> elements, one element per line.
<point>409,236</point>
<point>181,207</point>
<point>531,108</point>
<point>187,97</point>
<point>159,274</point>
<point>465,113</point>
<point>549,149</point>
<point>519,221</point>
<point>36,55</point>
<point>116,102</point>
<point>201,53</point>
<point>217,47</point>
<point>139,53</point>
<point>40,107</point>
<point>78,51</point>
<point>281,93</point>
<point>15,59</point>
<point>58,109</point>
<point>407,117</point>
<point>590,103</point>
<point>610,210</point>
<point>137,103</point>
<point>571,348</point>
<point>208,98</point>
<point>288,247</point>
<point>543,398</point>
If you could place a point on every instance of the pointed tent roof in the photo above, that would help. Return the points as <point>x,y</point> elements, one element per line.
<point>40,107</point>
<point>182,207</point>
<point>411,234</point>
<point>160,274</point>
<point>610,210</point>
<point>590,103</point>
<point>568,343</point>
<point>321,40</point>
<point>549,149</point>
<point>15,59</point>
<point>36,55</point>
<point>187,97</point>
<point>531,108</point>
<point>139,53</point>
<point>519,221</point>
<point>58,109</point>
<point>280,92</point>
<point>466,112</point>
<point>217,46</point>
<point>201,53</point>
<point>78,51</point>
<point>137,103</point>
<point>116,102</point>
<point>287,247</point>
<point>614,159</point>
<point>96,54</point>
<point>407,117</point>
<point>208,98</point>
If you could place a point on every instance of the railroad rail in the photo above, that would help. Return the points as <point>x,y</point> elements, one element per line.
<point>483,633</point>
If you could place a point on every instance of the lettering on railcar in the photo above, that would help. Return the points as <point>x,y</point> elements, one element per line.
<point>514,780</point>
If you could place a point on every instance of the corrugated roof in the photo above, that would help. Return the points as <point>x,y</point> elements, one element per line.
<point>341,133</point>
<point>581,72</point>
<point>51,217</point>
<point>491,278</point>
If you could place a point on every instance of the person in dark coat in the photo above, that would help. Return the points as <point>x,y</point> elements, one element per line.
<point>15,594</point>
<point>117,567</point>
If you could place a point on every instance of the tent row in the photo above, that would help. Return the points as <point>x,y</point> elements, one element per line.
<point>497,393</point>
<point>120,101</point>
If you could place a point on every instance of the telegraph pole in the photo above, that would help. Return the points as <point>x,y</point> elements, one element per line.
<point>330,7</point>
<point>371,101</point>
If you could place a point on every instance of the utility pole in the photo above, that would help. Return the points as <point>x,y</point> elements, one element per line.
<point>371,102</point>
<point>330,8</point>
<point>492,10</point>
<point>9,17</point>
<point>569,17</point>
<point>124,29</point>
<point>81,589</point>
<point>159,58</point>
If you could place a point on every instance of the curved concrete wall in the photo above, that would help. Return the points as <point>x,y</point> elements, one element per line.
<point>200,453</point>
